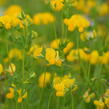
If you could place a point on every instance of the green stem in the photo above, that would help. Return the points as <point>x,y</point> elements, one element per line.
<point>57,104</point>
<point>72,103</point>
<point>24,49</point>
<point>78,41</point>
<point>88,74</point>
<point>55,32</point>
<point>49,100</point>
<point>7,44</point>
<point>62,26</point>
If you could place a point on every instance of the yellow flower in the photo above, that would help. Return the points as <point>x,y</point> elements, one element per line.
<point>67,81</point>
<point>73,55</point>
<point>55,43</point>
<point>1,68</point>
<point>87,35</point>
<point>13,10</point>
<point>35,50</point>
<point>107,102</point>
<point>84,5</point>
<point>19,91</point>
<point>10,18</point>
<point>94,57</point>
<point>77,21</point>
<point>59,87</point>
<point>9,21</point>
<point>87,97</point>
<point>83,55</point>
<point>77,54</point>
<point>25,95</point>
<point>10,95</point>
<point>102,30</point>
<point>106,94</point>
<point>103,9</point>
<point>43,18</point>
<point>99,104</point>
<point>15,53</point>
<point>105,58</point>
<point>44,79</point>
<point>21,97</point>
<point>52,57</point>
<point>12,68</point>
<point>68,47</point>
<point>62,84</point>
<point>60,93</point>
<point>58,62</point>
<point>57,5</point>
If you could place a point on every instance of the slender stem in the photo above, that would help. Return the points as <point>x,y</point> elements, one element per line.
<point>72,103</point>
<point>7,44</point>
<point>49,100</point>
<point>62,25</point>
<point>88,74</point>
<point>55,32</point>
<point>25,44</point>
<point>57,106</point>
<point>23,65</point>
<point>78,41</point>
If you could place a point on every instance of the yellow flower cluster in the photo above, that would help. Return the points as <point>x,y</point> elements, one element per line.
<point>84,5</point>
<point>77,21</point>
<point>92,58</point>
<point>103,102</point>
<point>57,42</point>
<point>44,79</point>
<point>102,31</point>
<point>9,21</point>
<point>10,17</point>
<point>99,104</point>
<point>54,57</point>
<point>103,9</point>
<point>63,84</point>
<point>106,98</point>
<point>14,53</point>
<point>88,35</point>
<point>57,5</point>
<point>21,97</point>
<point>43,18</point>
<point>13,18</point>
<point>52,54</point>
<point>76,54</point>
<point>88,96</point>
<point>13,10</point>
<point>11,94</point>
